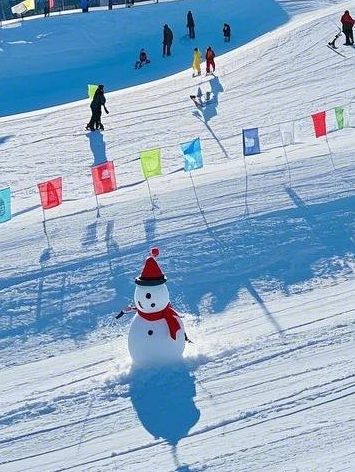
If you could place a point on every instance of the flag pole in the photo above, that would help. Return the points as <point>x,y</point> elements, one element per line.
<point>150,195</point>
<point>286,157</point>
<point>46,234</point>
<point>330,152</point>
<point>97,207</point>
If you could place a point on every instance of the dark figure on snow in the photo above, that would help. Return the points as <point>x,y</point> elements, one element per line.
<point>190,25</point>
<point>167,40</point>
<point>143,59</point>
<point>46,8</point>
<point>98,101</point>
<point>84,5</point>
<point>348,24</point>
<point>210,55</point>
<point>226,33</point>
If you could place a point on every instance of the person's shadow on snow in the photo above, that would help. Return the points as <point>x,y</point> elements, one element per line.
<point>210,108</point>
<point>209,100</point>
<point>97,146</point>
<point>163,400</point>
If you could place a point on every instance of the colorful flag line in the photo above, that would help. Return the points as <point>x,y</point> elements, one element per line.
<point>104,178</point>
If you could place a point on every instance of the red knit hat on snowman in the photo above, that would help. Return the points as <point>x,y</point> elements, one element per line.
<point>151,273</point>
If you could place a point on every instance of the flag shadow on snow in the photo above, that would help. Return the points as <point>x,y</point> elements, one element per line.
<point>281,248</point>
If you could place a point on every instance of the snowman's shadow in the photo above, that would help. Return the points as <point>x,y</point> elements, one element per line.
<point>163,401</point>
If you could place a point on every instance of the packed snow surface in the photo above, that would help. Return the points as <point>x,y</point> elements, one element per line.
<point>258,251</point>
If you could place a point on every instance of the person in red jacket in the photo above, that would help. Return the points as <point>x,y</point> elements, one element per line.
<point>348,24</point>
<point>210,55</point>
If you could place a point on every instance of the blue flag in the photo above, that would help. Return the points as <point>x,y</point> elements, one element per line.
<point>251,143</point>
<point>192,155</point>
<point>5,205</point>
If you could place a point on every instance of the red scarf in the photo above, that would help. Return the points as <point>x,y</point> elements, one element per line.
<point>168,314</point>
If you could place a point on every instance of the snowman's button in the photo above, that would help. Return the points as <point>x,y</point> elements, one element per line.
<point>150,332</point>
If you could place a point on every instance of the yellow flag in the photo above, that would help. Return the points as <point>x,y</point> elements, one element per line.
<point>150,162</point>
<point>91,90</point>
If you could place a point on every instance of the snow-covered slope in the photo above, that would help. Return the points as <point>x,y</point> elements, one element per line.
<point>259,254</point>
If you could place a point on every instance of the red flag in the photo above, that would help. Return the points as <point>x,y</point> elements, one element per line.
<point>51,193</point>
<point>104,178</point>
<point>320,128</point>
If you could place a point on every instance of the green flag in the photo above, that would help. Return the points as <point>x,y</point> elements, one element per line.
<point>339,114</point>
<point>150,162</point>
<point>91,90</point>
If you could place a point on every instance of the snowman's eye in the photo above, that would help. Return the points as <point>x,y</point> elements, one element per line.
<point>148,295</point>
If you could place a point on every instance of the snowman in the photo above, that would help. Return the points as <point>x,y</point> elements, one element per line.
<point>157,334</point>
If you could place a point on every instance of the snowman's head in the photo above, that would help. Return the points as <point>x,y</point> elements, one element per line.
<point>151,298</point>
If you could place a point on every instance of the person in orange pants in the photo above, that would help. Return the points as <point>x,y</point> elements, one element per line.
<point>210,55</point>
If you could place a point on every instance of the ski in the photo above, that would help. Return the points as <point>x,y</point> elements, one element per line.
<point>335,50</point>
<point>196,101</point>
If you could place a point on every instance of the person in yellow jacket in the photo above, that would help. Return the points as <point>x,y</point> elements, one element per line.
<point>196,63</point>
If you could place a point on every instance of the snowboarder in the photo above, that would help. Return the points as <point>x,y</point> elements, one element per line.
<point>226,33</point>
<point>348,24</point>
<point>190,25</point>
<point>157,334</point>
<point>98,101</point>
<point>143,59</point>
<point>167,40</point>
<point>210,55</point>
<point>196,62</point>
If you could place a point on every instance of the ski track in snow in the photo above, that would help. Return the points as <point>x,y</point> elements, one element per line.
<point>259,257</point>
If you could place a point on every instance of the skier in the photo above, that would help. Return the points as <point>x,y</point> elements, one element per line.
<point>167,40</point>
<point>210,55</point>
<point>226,33</point>
<point>98,101</point>
<point>348,24</point>
<point>190,25</point>
<point>196,63</point>
<point>143,59</point>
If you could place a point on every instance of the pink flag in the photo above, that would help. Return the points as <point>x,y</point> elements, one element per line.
<point>104,178</point>
<point>51,193</point>
<point>320,128</point>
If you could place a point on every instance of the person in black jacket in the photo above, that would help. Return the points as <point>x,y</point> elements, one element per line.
<point>190,25</point>
<point>167,40</point>
<point>46,8</point>
<point>98,101</point>
<point>226,33</point>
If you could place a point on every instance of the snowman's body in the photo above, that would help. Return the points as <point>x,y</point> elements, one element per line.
<point>150,342</point>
